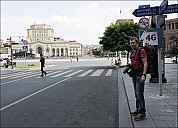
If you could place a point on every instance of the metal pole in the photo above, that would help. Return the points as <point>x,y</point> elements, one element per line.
<point>176,51</point>
<point>159,60</point>
<point>11,54</point>
<point>164,59</point>
<point>25,61</point>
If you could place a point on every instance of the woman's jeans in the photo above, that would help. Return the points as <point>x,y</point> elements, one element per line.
<point>139,93</point>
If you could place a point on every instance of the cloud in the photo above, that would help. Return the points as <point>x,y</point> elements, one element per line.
<point>82,21</point>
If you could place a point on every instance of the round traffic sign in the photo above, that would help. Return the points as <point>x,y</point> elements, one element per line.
<point>143,22</point>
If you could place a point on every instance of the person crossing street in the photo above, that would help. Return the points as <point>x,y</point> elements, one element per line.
<point>42,60</point>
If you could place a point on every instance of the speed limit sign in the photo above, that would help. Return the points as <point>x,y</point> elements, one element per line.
<point>150,38</point>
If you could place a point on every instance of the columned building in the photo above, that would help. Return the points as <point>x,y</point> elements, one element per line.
<point>41,41</point>
<point>171,34</point>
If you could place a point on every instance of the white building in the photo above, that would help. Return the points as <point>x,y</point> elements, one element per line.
<point>41,41</point>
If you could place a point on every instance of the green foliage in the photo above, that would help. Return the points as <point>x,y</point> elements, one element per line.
<point>116,36</point>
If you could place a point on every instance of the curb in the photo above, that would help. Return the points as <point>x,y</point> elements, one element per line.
<point>126,96</point>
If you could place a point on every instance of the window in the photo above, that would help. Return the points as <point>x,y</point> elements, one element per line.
<point>172,25</point>
<point>176,24</point>
<point>169,27</point>
<point>164,28</point>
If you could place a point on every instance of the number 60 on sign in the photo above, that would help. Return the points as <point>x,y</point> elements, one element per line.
<point>150,38</point>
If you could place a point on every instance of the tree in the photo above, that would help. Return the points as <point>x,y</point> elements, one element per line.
<point>116,36</point>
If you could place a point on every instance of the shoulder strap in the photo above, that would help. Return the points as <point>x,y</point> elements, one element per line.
<point>139,56</point>
<point>139,53</point>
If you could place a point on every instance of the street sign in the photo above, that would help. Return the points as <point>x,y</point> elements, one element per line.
<point>173,8</point>
<point>150,38</point>
<point>163,6</point>
<point>143,6</point>
<point>153,36</point>
<point>155,11</point>
<point>140,32</point>
<point>25,42</point>
<point>25,48</point>
<point>143,22</point>
<point>146,12</point>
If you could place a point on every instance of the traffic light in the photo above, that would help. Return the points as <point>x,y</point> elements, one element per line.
<point>153,22</point>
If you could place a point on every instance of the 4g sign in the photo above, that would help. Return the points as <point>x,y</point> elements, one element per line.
<point>150,38</point>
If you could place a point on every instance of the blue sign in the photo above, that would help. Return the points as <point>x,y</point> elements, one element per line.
<point>140,32</point>
<point>25,48</point>
<point>163,6</point>
<point>155,11</point>
<point>143,6</point>
<point>173,8</point>
<point>146,12</point>
<point>161,39</point>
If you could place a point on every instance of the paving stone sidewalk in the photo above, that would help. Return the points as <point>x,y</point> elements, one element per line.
<point>161,111</point>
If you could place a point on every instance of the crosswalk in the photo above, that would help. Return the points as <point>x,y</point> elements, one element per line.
<point>62,72</point>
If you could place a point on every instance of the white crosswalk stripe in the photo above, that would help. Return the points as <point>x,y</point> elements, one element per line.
<point>73,73</point>
<point>24,74</point>
<point>85,73</point>
<point>97,72</point>
<point>12,75</point>
<point>109,72</point>
<point>48,73</point>
<point>62,73</point>
<point>57,73</point>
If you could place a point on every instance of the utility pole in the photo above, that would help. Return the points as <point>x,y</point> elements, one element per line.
<point>10,46</point>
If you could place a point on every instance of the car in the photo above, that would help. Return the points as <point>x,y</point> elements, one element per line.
<point>173,59</point>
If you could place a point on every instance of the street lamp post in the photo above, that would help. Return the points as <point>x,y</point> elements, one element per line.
<point>10,46</point>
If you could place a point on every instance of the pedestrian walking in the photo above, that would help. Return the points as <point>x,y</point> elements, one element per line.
<point>139,76</point>
<point>42,60</point>
<point>7,63</point>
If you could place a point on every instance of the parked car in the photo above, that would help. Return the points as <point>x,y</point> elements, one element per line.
<point>173,59</point>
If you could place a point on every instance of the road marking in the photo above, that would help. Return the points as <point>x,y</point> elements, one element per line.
<point>19,79</point>
<point>48,74</point>
<point>11,75</point>
<point>18,101</point>
<point>61,73</point>
<point>85,73</point>
<point>73,73</point>
<point>24,74</point>
<point>109,72</point>
<point>97,72</point>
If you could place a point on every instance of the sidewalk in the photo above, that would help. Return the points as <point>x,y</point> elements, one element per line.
<point>161,111</point>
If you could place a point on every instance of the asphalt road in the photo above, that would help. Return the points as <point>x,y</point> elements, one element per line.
<point>78,94</point>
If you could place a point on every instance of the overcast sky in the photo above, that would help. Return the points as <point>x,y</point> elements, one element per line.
<point>83,21</point>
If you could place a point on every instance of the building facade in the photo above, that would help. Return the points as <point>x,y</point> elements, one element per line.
<point>40,40</point>
<point>171,34</point>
